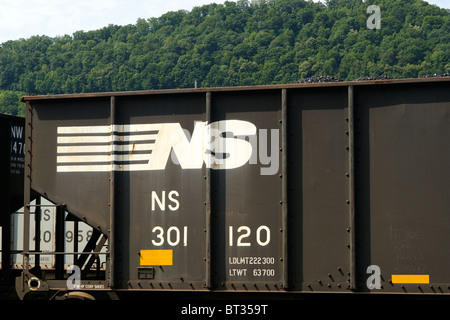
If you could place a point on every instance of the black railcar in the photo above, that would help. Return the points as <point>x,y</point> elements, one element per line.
<point>336,187</point>
<point>12,161</point>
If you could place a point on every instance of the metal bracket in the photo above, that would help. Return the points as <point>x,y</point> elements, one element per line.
<point>27,284</point>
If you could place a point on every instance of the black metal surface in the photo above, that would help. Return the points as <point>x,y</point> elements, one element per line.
<point>12,160</point>
<point>319,189</point>
<point>403,143</point>
<point>247,201</point>
<point>342,178</point>
<point>12,139</point>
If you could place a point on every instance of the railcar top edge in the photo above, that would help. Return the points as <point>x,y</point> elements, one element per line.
<point>237,88</point>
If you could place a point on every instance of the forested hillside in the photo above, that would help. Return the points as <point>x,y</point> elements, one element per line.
<point>237,43</point>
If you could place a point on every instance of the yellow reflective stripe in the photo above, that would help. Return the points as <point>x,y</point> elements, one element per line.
<point>156,257</point>
<point>410,278</point>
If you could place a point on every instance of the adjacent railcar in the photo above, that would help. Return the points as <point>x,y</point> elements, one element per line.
<point>12,161</point>
<point>305,188</point>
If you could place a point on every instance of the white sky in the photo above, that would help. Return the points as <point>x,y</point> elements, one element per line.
<point>25,18</point>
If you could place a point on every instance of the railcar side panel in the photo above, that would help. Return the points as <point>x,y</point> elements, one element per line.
<point>338,187</point>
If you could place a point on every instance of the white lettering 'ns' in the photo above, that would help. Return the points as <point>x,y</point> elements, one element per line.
<point>209,144</point>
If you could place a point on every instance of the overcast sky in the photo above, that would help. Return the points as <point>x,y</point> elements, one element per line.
<point>25,18</point>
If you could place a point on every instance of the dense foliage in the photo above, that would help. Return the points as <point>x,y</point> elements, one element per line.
<point>237,43</point>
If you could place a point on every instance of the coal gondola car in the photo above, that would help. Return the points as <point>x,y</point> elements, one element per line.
<point>304,188</point>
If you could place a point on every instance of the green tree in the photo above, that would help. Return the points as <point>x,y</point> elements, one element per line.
<point>10,103</point>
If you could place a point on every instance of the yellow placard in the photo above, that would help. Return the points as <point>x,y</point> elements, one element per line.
<point>156,257</point>
<point>410,278</point>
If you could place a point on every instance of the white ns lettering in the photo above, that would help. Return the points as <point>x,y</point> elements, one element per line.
<point>208,145</point>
